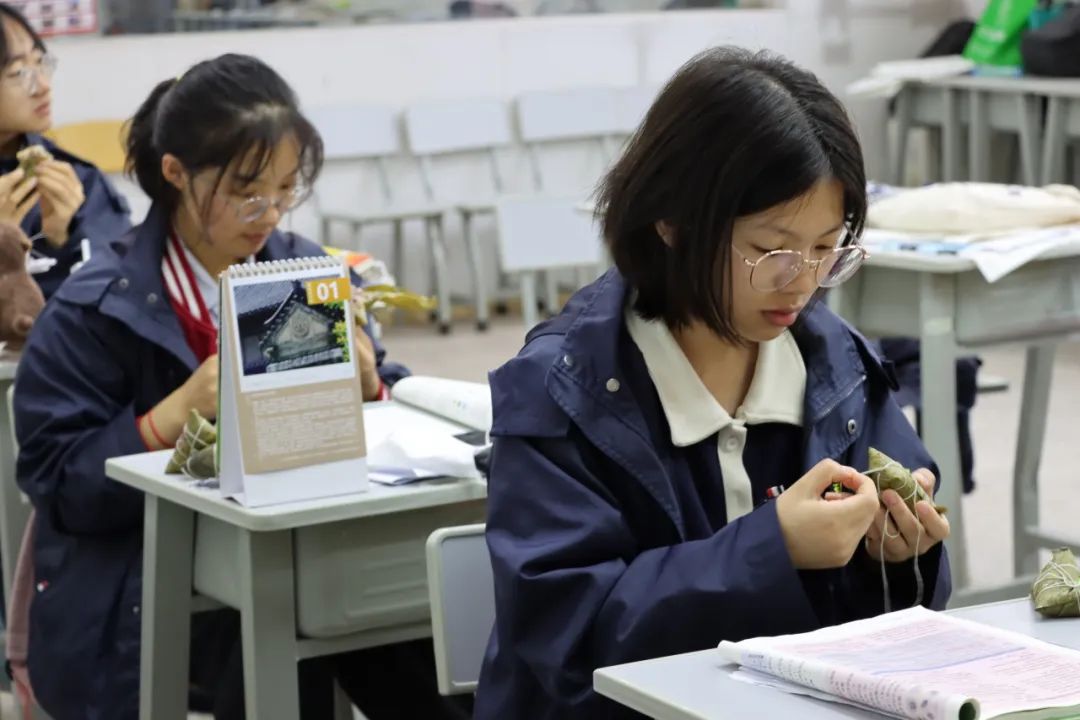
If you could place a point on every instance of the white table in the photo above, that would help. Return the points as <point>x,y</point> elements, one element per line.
<point>309,579</point>
<point>946,303</point>
<point>698,686</point>
<point>983,104</point>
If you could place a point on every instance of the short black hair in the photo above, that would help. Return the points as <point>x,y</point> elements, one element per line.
<point>733,133</point>
<point>11,13</point>
<point>232,108</point>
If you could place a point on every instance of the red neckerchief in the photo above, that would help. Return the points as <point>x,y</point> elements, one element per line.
<point>187,301</point>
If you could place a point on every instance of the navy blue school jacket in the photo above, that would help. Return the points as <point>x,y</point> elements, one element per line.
<point>105,350</point>
<point>104,217</point>
<point>603,545</point>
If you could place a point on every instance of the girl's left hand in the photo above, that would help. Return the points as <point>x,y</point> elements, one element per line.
<point>61,197</point>
<point>907,534</point>
<point>369,370</point>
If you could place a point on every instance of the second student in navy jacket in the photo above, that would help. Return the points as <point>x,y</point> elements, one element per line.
<point>664,449</point>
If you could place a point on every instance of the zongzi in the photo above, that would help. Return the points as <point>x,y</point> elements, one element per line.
<point>373,297</point>
<point>202,464</point>
<point>198,433</point>
<point>891,475</point>
<point>29,157</point>
<point>1056,592</point>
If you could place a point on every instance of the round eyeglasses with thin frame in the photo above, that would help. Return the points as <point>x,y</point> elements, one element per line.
<point>777,269</point>
<point>29,76</point>
<point>252,209</point>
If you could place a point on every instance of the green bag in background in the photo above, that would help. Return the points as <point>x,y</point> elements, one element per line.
<point>996,40</point>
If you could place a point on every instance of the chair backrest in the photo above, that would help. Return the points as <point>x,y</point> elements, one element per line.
<point>457,126</point>
<point>100,142</point>
<point>631,104</point>
<point>462,594</point>
<point>357,133</point>
<point>577,114</point>
<point>538,232</point>
<point>446,127</point>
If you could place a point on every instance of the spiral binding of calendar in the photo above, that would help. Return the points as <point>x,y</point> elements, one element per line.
<point>274,267</point>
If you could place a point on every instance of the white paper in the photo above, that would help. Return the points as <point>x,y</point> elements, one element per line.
<point>915,663</point>
<point>403,440</point>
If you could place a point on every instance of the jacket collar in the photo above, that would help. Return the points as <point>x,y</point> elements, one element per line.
<point>588,376</point>
<point>124,282</point>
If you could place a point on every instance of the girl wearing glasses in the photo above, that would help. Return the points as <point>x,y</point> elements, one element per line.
<point>67,199</point>
<point>663,448</point>
<point>117,360</point>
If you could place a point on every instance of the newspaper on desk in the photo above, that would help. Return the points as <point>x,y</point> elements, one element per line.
<point>995,254</point>
<point>918,664</point>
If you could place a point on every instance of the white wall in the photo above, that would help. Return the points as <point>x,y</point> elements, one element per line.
<point>399,64</point>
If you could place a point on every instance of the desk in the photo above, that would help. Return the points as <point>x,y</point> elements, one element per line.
<point>988,103</point>
<point>309,579</point>
<point>697,686</point>
<point>944,301</point>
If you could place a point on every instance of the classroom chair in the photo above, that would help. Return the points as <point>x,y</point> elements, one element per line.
<point>586,118</point>
<point>462,594</point>
<point>371,135</point>
<point>544,233</point>
<point>438,131</point>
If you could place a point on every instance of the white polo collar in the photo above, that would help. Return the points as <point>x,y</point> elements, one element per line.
<point>776,393</point>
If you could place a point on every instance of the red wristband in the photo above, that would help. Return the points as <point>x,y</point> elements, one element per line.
<point>153,430</point>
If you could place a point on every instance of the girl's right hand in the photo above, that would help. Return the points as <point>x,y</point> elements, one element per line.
<point>822,533</point>
<point>18,195</point>
<point>201,389</point>
<point>161,427</point>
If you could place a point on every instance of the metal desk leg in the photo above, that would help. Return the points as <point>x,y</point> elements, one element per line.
<point>1030,112</point>
<point>1038,369</point>
<point>979,138</point>
<point>476,260</point>
<point>898,162</point>
<point>440,272</point>
<point>268,625</point>
<point>1053,162</point>
<point>529,298</point>
<point>951,135</point>
<point>168,555</point>
<point>937,310</point>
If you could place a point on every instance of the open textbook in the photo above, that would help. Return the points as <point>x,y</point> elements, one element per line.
<point>919,664</point>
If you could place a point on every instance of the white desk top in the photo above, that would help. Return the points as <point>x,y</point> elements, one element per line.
<point>697,686</point>
<point>925,262</point>
<point>146,472</point>
<point>1038,85</point>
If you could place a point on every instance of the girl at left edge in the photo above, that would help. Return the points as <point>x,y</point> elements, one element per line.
<point>68,199</point>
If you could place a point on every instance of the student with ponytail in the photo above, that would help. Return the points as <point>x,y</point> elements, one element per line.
<point>122,354</point>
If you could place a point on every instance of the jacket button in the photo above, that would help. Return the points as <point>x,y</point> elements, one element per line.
<point>123,284</point>
<point>151,298</point>
<point>135,609</point>
<point>852,426</point>
<point>613,385</point>
<point>567,361</point>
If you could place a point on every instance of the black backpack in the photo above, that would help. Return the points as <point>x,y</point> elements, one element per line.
<point>1054,49</point>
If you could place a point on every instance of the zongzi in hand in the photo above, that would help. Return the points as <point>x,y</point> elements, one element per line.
<point>888,474</point>
<point>198,433</point>
<point>1056,592</point>
<point>373,297</point>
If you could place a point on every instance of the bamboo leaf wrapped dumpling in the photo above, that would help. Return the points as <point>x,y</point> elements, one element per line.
<point>202,465</point>
<point>1056,592</point>
<point>891,475</point>
<point>198,433</point>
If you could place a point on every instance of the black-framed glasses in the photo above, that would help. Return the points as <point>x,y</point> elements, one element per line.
<point>253,208</point>
<point>777,269</point>
<point>29,76</point>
